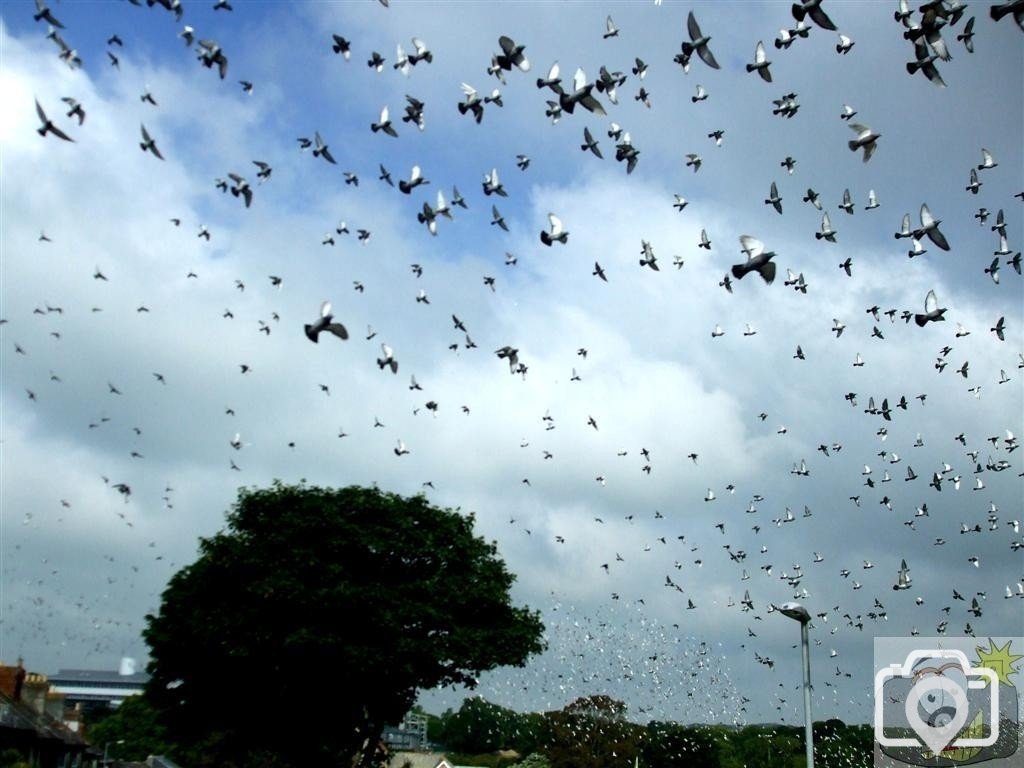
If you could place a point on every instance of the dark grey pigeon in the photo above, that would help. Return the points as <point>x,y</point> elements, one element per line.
<point>48,126</point>
<point>812,8</point>
<point>325,323</point>
<point>699,43</point>
<point>758,260</point>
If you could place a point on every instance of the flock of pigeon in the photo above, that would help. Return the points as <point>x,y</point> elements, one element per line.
<point>707,535</point>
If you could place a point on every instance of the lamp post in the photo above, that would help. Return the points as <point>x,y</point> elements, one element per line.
<point>106,746</point>
<point>799,613</point>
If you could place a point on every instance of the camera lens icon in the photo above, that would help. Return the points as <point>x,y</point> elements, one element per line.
<point>937,709</point>
<point>936,706</point>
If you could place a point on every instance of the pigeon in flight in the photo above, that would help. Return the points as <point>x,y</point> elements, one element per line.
<point>511,55</point>
<point>581,94</point>
<point>761,63</point>
<point>415,180</point>
<point>499,220</point>
<point>813,9</point>
<point>932,312</point>
<point>511,354</point>
<point>48,126</point>
<point>321,149</point>
<point>866,139</point>
<point>699,43</point>
<point>148,143</point>
<point>903,580</point>
<point>758,260</point>
<point>967,36</point>
<point>325,323</point>
<point>74,109</point>
<point>387,359</point>
<point>590,143</point>
<point>924,60</point>
<point>212,54</point>
<point>342,46</point>
<point>44,14</point>
<point>930,227</point>
<point>555,232</point>
<point>647,258</point>
<point>384,124</point>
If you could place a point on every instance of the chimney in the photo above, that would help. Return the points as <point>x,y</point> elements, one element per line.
<point>34,690</point>
<point>11,680</point>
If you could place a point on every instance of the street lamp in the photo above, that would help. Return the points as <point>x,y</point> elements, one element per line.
<point>106,745</point>
<point>799,613</point>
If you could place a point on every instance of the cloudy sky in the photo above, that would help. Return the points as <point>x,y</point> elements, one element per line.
<point>609,543</point>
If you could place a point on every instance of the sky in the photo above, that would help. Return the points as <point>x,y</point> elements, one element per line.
<point>105,283</point>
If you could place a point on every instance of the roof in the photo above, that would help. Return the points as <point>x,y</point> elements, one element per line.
<point>419,760</point>
<point>18,716</point>
<point>94,676</point>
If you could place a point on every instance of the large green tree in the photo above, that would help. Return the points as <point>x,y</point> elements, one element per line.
<point>312,620</point>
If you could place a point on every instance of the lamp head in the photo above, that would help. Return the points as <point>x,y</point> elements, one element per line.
<point>795,611</point>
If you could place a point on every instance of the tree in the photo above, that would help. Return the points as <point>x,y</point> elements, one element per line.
<point>478,726</point>
<point>670,745</point>
<point>313,619</point>
<point>130,732</point>
<point>591,732</point>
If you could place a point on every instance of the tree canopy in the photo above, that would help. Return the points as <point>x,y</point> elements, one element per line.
<point>311,621</point>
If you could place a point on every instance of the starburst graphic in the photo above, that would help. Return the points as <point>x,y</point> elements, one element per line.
<point>999,660</point>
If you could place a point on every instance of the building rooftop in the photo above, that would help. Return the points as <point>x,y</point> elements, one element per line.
<point>94,676</point>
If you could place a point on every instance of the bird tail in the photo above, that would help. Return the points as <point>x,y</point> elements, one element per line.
<point>751,67</point>
<point>798,12</point>
<point>920,320</point>
<point>545,238</point>
<point>912,67</point>
<point>310,334</point>
<point>738,271</point>
<point>767,271</point>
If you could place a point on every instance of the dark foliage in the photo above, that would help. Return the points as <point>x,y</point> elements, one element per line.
<point>313,619</point>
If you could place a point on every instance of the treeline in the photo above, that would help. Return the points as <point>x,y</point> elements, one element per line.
<point>594,732</point>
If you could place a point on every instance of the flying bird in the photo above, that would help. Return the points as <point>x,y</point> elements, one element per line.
<point>555,232</point>
<point>698,42</point>
<point>321,150</point>
<point>387,359</point>
<point>758,260</point>
<point>813,9</point>
<point>325,323</point>
<point>384,124</point>
<point>48,126</point>
<point>761,63</point>
<point>932,312</point>
<point>866,140</point>
<point>148,143</point>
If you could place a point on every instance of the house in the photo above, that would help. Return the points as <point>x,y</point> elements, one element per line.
<point>32,721</point>
<point>419,760</point>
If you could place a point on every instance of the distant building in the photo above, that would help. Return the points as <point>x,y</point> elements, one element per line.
<point>93,689</point>
<point>409,735</point>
